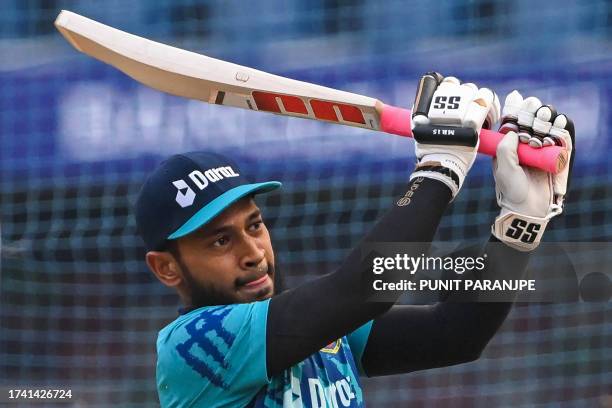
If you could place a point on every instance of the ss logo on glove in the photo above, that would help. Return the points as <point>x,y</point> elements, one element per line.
<point>440,102</point>
<point>522,230</point>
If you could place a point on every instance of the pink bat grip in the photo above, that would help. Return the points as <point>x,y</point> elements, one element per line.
<point>551,158</point>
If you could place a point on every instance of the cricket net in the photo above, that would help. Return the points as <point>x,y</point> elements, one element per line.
<point>78,308</point>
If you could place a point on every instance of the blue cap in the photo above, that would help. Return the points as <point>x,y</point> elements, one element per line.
<point>186,191</point>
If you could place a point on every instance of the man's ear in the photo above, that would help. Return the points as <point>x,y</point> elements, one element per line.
<point>164,267</point>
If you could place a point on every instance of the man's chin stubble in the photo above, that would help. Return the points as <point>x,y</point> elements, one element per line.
<point>202,296</point>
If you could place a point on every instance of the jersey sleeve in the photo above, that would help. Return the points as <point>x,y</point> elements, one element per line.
<point>213,356</point>
<point>357,341</point>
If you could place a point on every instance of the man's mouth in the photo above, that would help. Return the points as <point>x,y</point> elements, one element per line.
<point>258,287</point>
<point>257,282</point>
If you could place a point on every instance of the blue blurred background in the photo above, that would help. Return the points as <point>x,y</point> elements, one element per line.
<point>78,307</point>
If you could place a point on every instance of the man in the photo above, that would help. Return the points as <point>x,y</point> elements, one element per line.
<point>235,344</point>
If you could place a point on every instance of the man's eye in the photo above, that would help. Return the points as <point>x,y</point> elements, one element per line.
<point>221,241</point>
<point>255,226</point>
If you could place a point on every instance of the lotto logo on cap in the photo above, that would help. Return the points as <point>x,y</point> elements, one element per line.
<point>187,191</point>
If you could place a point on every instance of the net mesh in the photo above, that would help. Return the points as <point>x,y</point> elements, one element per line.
<point>78,308</point>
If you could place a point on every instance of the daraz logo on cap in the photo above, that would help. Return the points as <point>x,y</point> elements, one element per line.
<point>185,195</point>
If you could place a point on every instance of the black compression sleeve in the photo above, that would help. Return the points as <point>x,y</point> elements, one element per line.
<point>305,319</point>
<point>410,338</point>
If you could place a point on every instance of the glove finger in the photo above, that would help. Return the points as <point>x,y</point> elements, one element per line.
<point>479,108</point>
<point>510,178</point>
<point>526,115</point>
<point>471,87</point>
<point>450,81</point>
<point>494,113</point>
<point>512,106</point>
<point>542,123</point>
<point>422,100</point>
<point>562,131</point>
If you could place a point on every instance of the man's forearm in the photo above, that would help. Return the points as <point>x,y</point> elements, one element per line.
<point>411,338</point>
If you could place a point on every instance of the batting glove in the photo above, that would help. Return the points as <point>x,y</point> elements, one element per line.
<point>447,117</point>
<point>529,198</point>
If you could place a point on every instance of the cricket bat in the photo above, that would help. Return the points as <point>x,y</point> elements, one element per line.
<point>195,76</point>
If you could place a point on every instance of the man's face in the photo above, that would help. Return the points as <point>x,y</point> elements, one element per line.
<point>230,259</point>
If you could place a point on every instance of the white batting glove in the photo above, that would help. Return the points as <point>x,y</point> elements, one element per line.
<point>447,117</point>
<point>529,198</point>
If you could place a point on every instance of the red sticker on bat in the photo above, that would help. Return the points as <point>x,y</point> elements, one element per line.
<point>351,114</point>
<point>324,110</point>
<point>266,101</point>
<point>294,104</point>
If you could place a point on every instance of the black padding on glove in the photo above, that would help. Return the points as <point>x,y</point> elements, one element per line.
<point>427,86</point>
<point>445,135</point>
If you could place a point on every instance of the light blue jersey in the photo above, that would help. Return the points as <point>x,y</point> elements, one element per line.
<point>216,357</point>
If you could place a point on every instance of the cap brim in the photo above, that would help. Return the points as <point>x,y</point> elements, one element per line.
<point>216,206</point>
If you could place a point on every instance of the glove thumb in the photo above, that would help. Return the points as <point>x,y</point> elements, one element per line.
<point>510,178</point>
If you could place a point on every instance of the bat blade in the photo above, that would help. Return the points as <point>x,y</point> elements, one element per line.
<point>195,76</point>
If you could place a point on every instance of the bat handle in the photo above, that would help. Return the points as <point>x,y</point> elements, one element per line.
<point>552,159</point>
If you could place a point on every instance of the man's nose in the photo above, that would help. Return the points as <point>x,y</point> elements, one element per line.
<point>253,253</point>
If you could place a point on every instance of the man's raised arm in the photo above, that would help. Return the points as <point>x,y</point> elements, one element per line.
<point>410,338</point>
<point>303,320</point>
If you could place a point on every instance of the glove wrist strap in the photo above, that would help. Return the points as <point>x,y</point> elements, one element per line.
<point>437,171</point>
